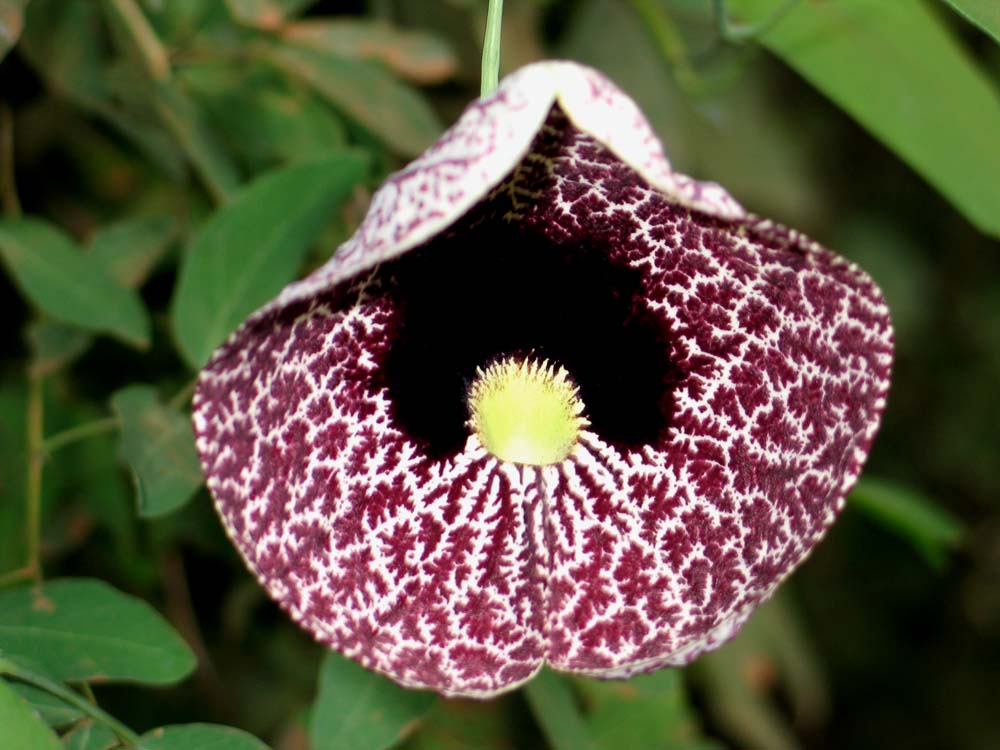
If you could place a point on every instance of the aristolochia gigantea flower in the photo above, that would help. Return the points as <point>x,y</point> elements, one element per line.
<point>553,403</point>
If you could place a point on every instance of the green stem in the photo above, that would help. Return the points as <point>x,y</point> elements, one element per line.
<point>151,51</point>
<point>738,33</point>
<point>80,432</point>
<point>491,48</point>
<point>125,734</point>
<point>33,486</point>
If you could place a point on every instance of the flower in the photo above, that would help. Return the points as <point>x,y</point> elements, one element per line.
<point>732,375</point>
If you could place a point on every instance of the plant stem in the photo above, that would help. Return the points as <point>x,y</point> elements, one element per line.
<point>33,485</point>
<point>8,185</point>
<point>154,56</point>
<point>738,33</point>
<point>491,48</point>
<point>125,734</point>
<point>80,432</point>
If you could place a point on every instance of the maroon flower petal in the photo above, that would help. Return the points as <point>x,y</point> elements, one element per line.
<point>785,351</point>
<point>424,570</point>
<point>732,405</point>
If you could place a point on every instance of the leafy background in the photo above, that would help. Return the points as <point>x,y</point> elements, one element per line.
<point>167,165</point>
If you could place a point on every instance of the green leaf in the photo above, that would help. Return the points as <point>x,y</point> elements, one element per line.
<point>391,110</point>
<point>199,737</point>
<point>90,736</point>
<point>983,13</point>
<point>416,55</point>
<point>646,710</point>
<point>129,250</point>
<point>20,726</point>
<point>63,282</point>
<point>54,711</point>
<point>158,446</point>
<point>11,23</point>
<point>184,121</point>
<point>898,71</point>
<point>362,710</point>
<point>555,708</point>
<point>268,119</point>
<point>249,249</point>
<point>915,517</point>
<point>54,345</point>
<point>82,630</point>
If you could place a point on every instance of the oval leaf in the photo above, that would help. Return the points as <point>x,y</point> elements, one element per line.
<point>90,736</point>
<point>81,630</point>
<point>391,110</point>
<point>252,247</point>
<point>54,711</point>
<point>158,446</point>
<point>199,737</point>
<point>129,249</point>
<point>20,726</point>
<point>68,285</point>
<point>362,710</point>
<point>898,71</point>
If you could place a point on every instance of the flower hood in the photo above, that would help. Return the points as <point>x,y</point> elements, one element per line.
<point>733,373</point>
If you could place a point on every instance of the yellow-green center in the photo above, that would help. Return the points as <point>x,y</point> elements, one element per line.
<point>526,412</point>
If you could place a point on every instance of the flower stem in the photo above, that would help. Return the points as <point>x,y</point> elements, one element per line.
<point>33,485</point>
<point>76,700</point>
<point>80,432</point>
<point>491,48</point>
<point>738,33</point>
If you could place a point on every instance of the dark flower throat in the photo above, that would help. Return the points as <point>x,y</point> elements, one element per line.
<point>467,298</point>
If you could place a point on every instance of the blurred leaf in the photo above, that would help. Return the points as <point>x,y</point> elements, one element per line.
<point>11,22</point>
<point>738,136</point>
<point>914,516</point>
<point>249,249</point>
<point>54,345</point>
<point>54,711</point>
<point>63,282</point>
<point>362,710</point>
<point>416,55</point>
<point>897,70</point>
<point>89,736</point>
<point>555,709</point>
<point>741,681</point>
<point>649,710</point>
<point>83,630</point>
<point>129,249</point>
<point>266,14</point>
<point>182,118</point>
<point>391,110</point>
<point>20,726</point>
<point>62,39</point>
<point>158,446</point>
<point>268,119</point>
<point>200,737</point>
<point>469,724</point>
<point>983,13</point>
